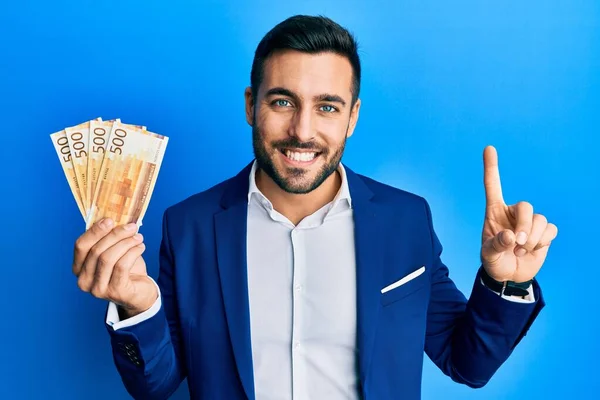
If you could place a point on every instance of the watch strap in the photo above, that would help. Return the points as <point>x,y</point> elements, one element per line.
<point>508,288</point>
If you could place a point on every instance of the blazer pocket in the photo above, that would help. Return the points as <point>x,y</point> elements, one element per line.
<point>403,287</point>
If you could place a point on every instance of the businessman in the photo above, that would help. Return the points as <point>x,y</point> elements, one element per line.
<point>299,278</point>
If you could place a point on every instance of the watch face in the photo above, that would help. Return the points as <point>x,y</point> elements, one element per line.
<point>517,289</point>
<point>513,291</point>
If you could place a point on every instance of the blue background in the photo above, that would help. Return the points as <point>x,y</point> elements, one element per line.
<point>441,81</point>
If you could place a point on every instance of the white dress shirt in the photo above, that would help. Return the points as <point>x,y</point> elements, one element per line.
<point>302,296</point>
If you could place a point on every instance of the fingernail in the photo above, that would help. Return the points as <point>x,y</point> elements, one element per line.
<point>130,227</point>
<point>521,252</point>
<point>138,236</point>
<point>521,238</point>
<point>107,223</point>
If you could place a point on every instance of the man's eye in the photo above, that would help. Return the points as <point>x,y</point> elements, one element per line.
<point>328,109</point>
<point>281,103</point>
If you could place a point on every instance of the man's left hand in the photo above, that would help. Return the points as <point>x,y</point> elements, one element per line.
<point>515,241</point>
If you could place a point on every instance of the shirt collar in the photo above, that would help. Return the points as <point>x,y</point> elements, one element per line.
<point>343,195</point>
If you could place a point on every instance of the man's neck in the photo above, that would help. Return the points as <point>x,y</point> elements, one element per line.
<point>296,207</point>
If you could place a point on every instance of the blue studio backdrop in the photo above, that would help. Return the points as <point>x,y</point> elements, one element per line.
<point>441,81</point>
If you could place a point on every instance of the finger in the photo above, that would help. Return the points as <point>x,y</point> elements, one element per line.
<point>122,269</point>
<point>84,243</point>
<point>88,268</point>
<point>491,177</point>
<point>523,214</point>
<point>107,261</point>
<point>537,229</point>
<point>503,241</point>
<point>548,236</point>
<point>493,248</point>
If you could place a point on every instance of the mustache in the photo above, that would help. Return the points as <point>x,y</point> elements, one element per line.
<point>296,144</point>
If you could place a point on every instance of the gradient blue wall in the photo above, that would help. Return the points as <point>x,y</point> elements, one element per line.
<point>441,81</point>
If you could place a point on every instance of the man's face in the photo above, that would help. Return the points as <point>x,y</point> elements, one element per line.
<point>302,117</point>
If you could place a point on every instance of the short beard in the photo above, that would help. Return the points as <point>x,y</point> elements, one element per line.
<point>265,163</point>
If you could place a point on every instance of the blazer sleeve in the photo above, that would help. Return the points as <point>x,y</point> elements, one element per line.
<point>149,355</point>
<point>470,339</point>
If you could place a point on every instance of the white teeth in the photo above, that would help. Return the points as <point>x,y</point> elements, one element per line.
<point>299,156</point>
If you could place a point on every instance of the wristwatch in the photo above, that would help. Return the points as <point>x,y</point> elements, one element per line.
<point>508,288</point>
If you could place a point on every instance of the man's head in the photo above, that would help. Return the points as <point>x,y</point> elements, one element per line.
<point>303,100</point>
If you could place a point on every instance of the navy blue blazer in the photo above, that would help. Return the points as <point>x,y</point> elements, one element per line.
<point>202,330</point>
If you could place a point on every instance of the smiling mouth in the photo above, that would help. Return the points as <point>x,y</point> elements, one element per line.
<point>300,156</point>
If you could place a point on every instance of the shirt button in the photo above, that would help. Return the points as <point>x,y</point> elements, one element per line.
<point>298,287</point>
<point>296,345</point>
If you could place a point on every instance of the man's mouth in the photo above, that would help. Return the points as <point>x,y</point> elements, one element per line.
<point>300,156</point>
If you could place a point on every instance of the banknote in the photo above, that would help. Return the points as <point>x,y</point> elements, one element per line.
<point>78,137</point>
<point>61,145</point>
<point>127,176</point>
<point>98,138</point>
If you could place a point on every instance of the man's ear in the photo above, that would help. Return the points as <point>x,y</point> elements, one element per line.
<point>249,106</point>
<point>353,118</point>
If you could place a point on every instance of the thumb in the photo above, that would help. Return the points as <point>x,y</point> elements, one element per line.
<point>504,240</point>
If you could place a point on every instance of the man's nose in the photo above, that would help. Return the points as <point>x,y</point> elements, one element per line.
<point>302,125</point>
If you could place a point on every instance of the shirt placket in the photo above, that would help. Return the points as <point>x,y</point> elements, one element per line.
<point>298,362</point>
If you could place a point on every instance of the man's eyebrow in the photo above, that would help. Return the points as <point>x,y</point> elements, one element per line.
<point>333,98</point>
<point>282,92</point>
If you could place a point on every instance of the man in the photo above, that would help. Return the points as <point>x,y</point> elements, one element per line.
<point>299,278</point>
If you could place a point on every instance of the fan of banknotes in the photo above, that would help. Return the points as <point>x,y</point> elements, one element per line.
<point>111,168</point>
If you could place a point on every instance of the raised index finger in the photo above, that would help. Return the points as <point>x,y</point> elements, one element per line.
<point>491,177</point>
<point>85,242</point>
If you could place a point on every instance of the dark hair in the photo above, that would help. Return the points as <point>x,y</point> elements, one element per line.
<point>308,34</point>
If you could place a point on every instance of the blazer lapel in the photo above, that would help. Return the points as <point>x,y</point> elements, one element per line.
<point>368,230</point>
<point>230,232</point>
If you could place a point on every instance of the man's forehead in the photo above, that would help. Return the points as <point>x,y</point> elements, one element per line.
<point>308,74</point>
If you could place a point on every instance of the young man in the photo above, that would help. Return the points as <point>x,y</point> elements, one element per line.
<point>299,278</point>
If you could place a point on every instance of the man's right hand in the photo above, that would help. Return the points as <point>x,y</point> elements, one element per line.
<point>108,264</point>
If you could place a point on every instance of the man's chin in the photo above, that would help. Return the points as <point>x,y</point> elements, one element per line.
<point>296,182</point>
<point>294,179</point>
